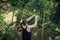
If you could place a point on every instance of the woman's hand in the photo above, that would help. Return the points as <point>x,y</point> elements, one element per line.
<point>36,16</point>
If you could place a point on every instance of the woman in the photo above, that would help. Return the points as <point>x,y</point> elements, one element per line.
<point>26,33</point>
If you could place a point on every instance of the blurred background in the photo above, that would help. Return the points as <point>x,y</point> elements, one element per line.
<point>12,11</point>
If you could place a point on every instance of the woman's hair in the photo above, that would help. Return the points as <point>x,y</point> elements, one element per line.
<point>24,21</point>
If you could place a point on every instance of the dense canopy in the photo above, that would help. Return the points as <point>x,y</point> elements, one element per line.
<point>12,11</point>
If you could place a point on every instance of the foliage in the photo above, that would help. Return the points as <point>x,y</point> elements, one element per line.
<point>47,23</point>
<point>2,27</point>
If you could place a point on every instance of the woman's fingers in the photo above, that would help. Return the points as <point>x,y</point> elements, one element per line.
<point>36,16</point>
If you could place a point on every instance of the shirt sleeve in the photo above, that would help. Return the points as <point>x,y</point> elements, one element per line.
<point>30,18</point>
<point>31,26</point>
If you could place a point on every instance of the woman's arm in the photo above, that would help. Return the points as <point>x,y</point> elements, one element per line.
<point>28,19</point>
<point>31,26</point>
